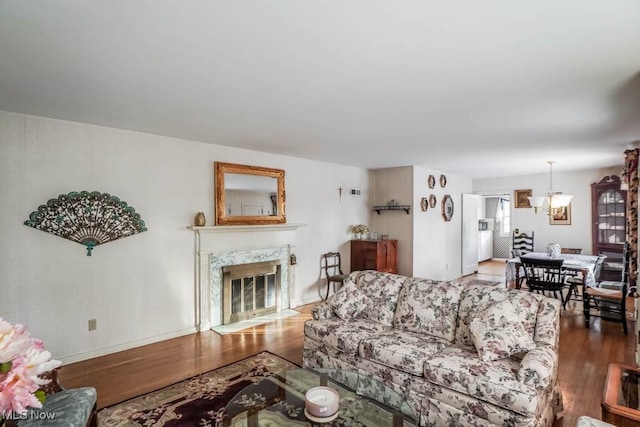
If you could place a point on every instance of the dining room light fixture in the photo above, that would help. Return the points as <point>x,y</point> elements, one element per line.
<point>554,201</point>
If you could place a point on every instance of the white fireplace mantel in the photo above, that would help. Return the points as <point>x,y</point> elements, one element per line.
<point>212,241</point>
<point>242,228</point>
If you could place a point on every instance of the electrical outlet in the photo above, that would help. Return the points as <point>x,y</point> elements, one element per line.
<point>93,324</point>
<point>355,192</point>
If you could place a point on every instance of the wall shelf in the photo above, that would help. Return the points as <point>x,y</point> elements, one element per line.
<point>405,208</point>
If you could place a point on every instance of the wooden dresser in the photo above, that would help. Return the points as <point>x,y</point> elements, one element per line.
<point>381,255</point>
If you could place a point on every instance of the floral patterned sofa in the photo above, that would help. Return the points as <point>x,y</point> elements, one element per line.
<point>461,355</point>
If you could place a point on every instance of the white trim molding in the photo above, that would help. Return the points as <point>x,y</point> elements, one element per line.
<point>213,243</point>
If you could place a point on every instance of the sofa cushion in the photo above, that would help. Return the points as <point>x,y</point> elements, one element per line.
<point>402,350</point>
<point>477,298</point>
<point>461,409</point>
<point>349,301</point>
<point>341,335</point>
<point>428,307</point>
<point>498,332</point>
<point>383,289</point>
<point>460,369</point>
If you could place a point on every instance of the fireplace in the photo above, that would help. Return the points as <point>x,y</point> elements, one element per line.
<point>250,290</point>
<point>218,248</point>
<point>219,261</point>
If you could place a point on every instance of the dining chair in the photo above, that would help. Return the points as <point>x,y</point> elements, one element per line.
<point>521,244</point>
<point>545,276</point>
<point>608,299</point>
<point>574,251</point>
<point>332,265</point>
<point>577,281</point>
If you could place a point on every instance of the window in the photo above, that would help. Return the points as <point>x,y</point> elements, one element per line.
<point>503,216</point>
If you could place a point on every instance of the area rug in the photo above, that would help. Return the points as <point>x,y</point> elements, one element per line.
<point>249,323</point>
<point>197,401</point>
<point>482,282</point>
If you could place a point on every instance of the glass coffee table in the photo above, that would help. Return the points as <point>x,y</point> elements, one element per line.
<point>621,402</point>
<point>278,400</point>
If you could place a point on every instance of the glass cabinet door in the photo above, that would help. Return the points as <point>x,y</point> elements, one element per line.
<point>611,217</point>
<point>609,210</point>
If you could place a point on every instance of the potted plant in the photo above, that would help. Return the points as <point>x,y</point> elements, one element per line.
<point>359,229</point>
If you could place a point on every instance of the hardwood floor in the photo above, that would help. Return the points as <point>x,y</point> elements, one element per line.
<point>584,357</point>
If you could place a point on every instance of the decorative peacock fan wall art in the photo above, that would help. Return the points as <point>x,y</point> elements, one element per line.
<point>89,218</point>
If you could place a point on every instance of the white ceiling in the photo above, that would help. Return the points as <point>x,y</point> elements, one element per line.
<point>491,88</point>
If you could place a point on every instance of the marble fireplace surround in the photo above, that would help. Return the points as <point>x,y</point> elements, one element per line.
<point>219,246</point>
<point>219,260</point>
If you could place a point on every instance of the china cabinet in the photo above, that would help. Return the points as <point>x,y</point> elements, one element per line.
<point>608,209</point>
<point>381,255</point>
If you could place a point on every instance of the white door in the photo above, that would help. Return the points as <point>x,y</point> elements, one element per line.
<point>469,233</point>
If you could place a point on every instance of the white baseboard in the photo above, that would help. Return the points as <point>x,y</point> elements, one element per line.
<point>126,346</point>
<point>299,303</point>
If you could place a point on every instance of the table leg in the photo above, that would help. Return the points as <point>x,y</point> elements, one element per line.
<point>397,419</point>
<point>323,379</point>
<point>252,417</point>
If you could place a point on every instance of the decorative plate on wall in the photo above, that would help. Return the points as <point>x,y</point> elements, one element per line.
<point>443,181</point>
<point>424,204</point>
<point>431,181</point>
<point>432,201</point>
<point>447,208</point>
<point>88,218</point>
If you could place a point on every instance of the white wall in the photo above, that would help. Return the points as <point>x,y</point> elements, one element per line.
<point>578,183</point>
<point>396,184</point>
<point>140,289</point>
<point>437,245</point>
<point>427,245</point>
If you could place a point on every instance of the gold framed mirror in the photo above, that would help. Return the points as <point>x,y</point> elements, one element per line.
<point>248,195</point>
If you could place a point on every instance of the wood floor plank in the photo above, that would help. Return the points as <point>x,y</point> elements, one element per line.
<point>583,360</point>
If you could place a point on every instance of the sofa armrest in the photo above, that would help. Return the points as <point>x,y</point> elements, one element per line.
<point>322,311</point>
<point>538,367</point>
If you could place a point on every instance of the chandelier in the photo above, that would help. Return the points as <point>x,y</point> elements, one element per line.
<point>554,201</point>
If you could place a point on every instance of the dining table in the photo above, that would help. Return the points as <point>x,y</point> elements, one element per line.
<point>572,263</point>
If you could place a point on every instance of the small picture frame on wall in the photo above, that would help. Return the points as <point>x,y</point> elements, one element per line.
<point>432,201</point>
<point>443,181</point>
<point>521,198</point>
<point>562,216</point>
<point>431,181</point>
<point>424,204</point>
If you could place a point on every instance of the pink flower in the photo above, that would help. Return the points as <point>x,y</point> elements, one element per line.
<point>22,360</point>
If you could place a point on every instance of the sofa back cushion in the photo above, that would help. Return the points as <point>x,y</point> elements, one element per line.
<point>382,289</point>
<point>498,333</point>
<point>429,307</point>
<point>477,298</point>
<point>349,302</point>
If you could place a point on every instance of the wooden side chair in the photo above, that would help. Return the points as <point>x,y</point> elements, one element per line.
<point>574,251</point>
<point>332,265</point>
<point>577,281</point>
<point>608,299</point>
<point>545,276</point>
<point>521,244</point>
